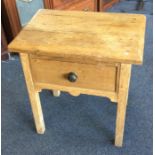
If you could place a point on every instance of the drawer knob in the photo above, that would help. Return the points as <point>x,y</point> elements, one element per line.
<point>72,77</point>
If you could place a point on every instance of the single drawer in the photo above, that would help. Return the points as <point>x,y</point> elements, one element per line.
<point>98,77</point>
<point>81,5</point>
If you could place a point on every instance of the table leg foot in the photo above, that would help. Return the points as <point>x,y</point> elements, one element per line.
<point>56,93</point>
<point>41,130</point>
<point>120,123</point>
<point>37,112</point>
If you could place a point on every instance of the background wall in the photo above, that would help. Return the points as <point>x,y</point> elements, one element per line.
<point>28,8</point>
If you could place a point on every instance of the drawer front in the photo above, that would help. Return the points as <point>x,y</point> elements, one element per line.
<point>98,77</point>
<point>81,5</point>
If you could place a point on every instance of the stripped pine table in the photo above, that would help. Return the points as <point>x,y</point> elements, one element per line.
<point>81,53</point>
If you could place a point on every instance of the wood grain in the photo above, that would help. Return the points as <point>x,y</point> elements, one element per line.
<point>124,82</point>
<point>81,5</point>
<point>33,95</point>
<point>97,77</point>
<point>48,4</point>
<point>84,36</point>
<point>99,48</point>
<point>61,3</point>
<point>77,91</point>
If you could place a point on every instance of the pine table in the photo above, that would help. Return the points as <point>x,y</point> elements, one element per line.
<point>81,53</point>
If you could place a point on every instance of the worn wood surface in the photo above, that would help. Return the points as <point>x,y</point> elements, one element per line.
<point>124,81</point>
<point>33,94</point>
<point>84,36</point>
<point>99,47</point>
<point>75,91</point>
<point>97,77</point>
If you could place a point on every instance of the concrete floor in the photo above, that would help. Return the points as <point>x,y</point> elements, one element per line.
<point>81,125</point>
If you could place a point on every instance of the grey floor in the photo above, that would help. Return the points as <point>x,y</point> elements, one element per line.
<point>81,125</point>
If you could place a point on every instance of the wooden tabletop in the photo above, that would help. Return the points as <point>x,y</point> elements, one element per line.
<point>83,36</point>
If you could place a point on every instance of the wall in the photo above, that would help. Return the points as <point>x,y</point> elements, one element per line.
<point>28,9</point>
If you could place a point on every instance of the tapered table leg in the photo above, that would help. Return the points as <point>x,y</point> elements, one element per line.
<point>122,103</point>
<point>33,95</point>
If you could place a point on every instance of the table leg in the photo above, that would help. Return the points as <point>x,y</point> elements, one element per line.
<point>125,73</point>
<point>56,93</point>
<point>33,95</point>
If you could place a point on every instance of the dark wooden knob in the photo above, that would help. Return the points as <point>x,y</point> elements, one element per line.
<point>72,77</point>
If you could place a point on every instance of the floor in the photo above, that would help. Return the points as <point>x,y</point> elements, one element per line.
<point>81,125</point>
